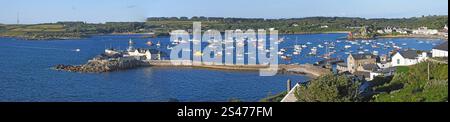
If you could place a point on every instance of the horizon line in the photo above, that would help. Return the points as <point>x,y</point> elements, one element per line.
<point>282,18</point>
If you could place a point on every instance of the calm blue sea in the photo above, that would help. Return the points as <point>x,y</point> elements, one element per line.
<point>26,74</point>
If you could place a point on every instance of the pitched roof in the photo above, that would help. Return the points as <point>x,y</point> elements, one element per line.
<point>363,56</point>
<point>342,64</point>
<point>362,74</point>
<point>409,54</point>
<point>370,67</point>
<point>443,46</point>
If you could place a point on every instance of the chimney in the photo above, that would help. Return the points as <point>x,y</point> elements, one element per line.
<point>288,84</point>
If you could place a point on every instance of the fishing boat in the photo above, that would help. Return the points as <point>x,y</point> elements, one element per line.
<point>308,43</point>
<point>77,50</point>
<point>320,46</point>
<point>347,46</point>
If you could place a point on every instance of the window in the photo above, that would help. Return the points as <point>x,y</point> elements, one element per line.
<point>398,61</point>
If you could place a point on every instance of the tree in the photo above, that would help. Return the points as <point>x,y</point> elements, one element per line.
<point>329,88</point>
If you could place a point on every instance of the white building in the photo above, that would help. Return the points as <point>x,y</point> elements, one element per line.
<point>425,31</point>
<point>402,31</point>
<point>407,58</point>
<point>389,29</point>
<point>441,50</point>
<point>380,31</point>
<point>384,62</point>
<point>139,54</point>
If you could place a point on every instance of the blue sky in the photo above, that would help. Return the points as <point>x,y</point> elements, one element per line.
<point>96,11</point>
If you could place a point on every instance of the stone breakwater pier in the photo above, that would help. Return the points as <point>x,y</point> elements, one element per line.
<point>99,66</point>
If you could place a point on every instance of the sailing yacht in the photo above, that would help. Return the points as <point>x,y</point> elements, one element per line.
<point>297,48</point>
<point>158,44</point>
<point>313,51</point>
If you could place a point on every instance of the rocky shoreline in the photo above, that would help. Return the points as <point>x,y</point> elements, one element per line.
<point>100,66</point>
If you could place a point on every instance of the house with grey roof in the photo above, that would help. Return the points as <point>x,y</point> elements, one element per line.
<point>408,57</point>
<point>357,60</point>
<point>441,50</point>
<point>368,67</point>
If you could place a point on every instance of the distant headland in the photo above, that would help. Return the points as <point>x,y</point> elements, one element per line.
<point>161,26</point>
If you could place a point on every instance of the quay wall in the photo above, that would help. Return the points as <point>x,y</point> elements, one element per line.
<point>115,65</point>
<point>308,69</point>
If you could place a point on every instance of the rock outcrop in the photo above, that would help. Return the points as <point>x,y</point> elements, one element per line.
<point>98,66</point>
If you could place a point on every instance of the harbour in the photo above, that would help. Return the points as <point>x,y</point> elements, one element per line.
<point>160,80</point>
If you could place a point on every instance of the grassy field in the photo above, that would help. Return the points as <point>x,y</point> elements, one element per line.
<point>38,28</point>
<point>411,84</point>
